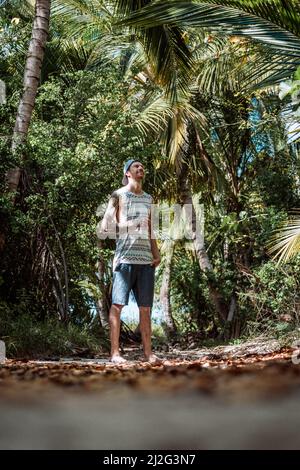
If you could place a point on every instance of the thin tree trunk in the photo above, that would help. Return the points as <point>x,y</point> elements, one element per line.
<point>61,301</point>
<point>102,313</point>
<point>185,196</point>
<point>103,303</point>
<point>66,276</point>
<point>59,304</point>
<point>232,308</point>
<point>168,322</point>
<point>31,81</point>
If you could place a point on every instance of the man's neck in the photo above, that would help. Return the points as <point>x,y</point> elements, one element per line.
<point>135,187</point>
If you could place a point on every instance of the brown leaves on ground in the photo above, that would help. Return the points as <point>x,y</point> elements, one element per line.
<point>250,377</point>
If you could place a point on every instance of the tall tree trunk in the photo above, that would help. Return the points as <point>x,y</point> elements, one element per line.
<point>168,320</point>
<point>65,296</point>
<point>104,302</point>
<point>31,81</point>
<point>185,196</point>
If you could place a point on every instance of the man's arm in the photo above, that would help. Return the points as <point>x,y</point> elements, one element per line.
<point>155,252</point>
<point>111,219</point>
<point>108,224</point>
<point>154,247</point>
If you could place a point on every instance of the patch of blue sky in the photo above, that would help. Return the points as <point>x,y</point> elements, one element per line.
<point>130,312</point>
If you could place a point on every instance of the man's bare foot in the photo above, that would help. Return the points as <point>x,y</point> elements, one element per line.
<point>117,359</point>
<point>153,359</point>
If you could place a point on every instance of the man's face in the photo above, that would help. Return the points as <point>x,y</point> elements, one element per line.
<point>136,171</point>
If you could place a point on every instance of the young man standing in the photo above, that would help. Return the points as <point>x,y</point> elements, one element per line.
<point>136,256</point>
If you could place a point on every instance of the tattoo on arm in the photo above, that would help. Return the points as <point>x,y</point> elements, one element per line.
<point>110,215</point>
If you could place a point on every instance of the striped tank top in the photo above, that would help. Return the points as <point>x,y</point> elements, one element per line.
<point>133,241</point>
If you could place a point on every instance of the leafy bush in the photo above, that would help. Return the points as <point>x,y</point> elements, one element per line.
<point>25,336</point>
<point>271,304</point>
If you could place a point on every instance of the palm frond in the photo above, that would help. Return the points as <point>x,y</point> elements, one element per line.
<point>236,64</point>
<point>166,50</point>
<point>154,116</point>
<point>261,22</point>
<point>286,240</point>
<point>282,13</point>
<point>164,46</point>
<point>85,19</point>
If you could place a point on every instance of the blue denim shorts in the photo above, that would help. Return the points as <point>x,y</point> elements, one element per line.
<point>136,277</point>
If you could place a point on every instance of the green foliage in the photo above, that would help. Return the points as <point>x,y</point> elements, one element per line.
<point>87,121</point>
<point>25,336</point>
<point>271,302</point>
<point>272,24</point>
<point>189,295</point>
<point>78,141</point>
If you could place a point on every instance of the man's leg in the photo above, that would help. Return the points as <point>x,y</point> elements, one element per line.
<point>143,290</point>
<point>114,323</point>
<point>120,293</point>
<point>145,327</point>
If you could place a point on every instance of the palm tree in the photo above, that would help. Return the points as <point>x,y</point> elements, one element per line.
<point>164,47</point>
<point>31,81</point>
<point>162,71</point>
<point>160,53</point>
<point>168,320</point>
<point>213,120</point>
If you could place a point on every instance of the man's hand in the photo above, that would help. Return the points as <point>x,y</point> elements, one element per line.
<point>155,261</point>
<point>143,223</point>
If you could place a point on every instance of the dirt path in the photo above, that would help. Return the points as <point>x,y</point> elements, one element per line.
<point>228,397</point>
